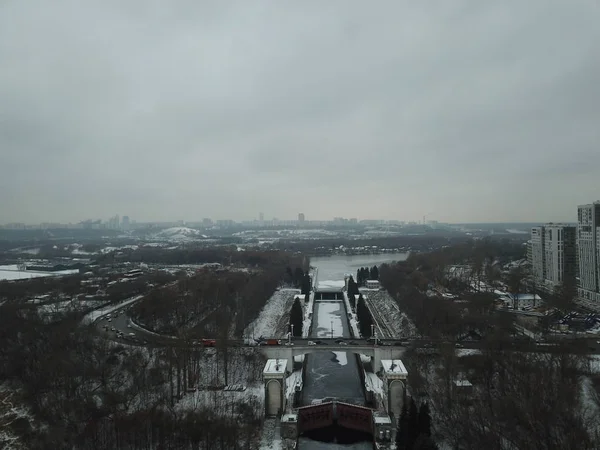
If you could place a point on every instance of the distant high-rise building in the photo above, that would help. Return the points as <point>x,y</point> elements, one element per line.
<point>261,217</point>
<point>125,223</point>
<point>588,244</point>
<point>206,222</point>
<point>301,217</point>
<point>553,254</point>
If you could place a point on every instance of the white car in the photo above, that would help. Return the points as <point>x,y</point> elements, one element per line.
<point>312,343</point>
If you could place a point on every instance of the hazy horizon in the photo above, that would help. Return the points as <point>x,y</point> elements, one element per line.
<point>464,112</point>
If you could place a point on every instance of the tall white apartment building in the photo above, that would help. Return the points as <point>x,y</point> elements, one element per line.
<point>537,254</point>
<point>553,254</point>
<point>588,244</point>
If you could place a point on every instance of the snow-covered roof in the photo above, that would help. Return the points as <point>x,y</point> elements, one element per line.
<point>462,383</point>
<point>394,367</point>
<point>275,367</point>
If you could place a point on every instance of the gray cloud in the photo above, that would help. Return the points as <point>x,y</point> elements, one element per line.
<point>472,111</point>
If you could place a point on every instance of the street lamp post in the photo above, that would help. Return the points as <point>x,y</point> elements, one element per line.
<point>332,329</point>
<point>292,333</point>
<point>372,330</point>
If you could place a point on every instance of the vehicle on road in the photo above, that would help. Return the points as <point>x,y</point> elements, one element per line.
<point>312,343</point>
<point>272,342</point>
<point>208,342</point>
<point>319,342</point>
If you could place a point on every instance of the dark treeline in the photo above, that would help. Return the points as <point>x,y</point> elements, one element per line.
<point>420,243</point>
<point>19,290</point>
<point>216,303</point>
<point>408,281</point>
<point>221,255</point>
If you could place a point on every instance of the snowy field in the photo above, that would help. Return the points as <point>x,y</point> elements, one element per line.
<point>273,320</point>
<point>12,272</point>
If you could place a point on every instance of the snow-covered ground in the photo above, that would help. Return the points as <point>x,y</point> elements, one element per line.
<point>386,311</point>
<point>12,272</point>
<point>331,284</point>
<point>11,409</point>
<point>353,322</point>
<point>374,384</point>
<point>271,437</point>
<point>96,314</point>
<point>308,311</point>
<point>333,321</point>
<point>68,305</point>
<point>274,317</point>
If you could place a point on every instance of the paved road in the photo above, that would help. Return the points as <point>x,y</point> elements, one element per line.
<point>121,323</point>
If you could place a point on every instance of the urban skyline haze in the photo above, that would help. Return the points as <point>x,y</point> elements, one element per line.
<point>462,111</point>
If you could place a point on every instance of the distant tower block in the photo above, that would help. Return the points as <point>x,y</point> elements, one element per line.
<point>301,217</point>
<point>261,217</point>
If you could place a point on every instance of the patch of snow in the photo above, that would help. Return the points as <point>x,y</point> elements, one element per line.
<point>96,314</point>
<point>11,272</point>
<point>11,409</point>
<point>467,352</point>
<point>329,323</point>
<point>341,357</point>
<point>308,312</point>
<point>271,437</point>
<point>331,284</point>
<point>268,322</point>
<point>180,234</point>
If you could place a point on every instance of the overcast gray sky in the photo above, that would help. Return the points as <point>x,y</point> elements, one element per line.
<point>468,111</point>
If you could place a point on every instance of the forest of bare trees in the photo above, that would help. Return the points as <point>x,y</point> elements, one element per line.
<point>84,391</point>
